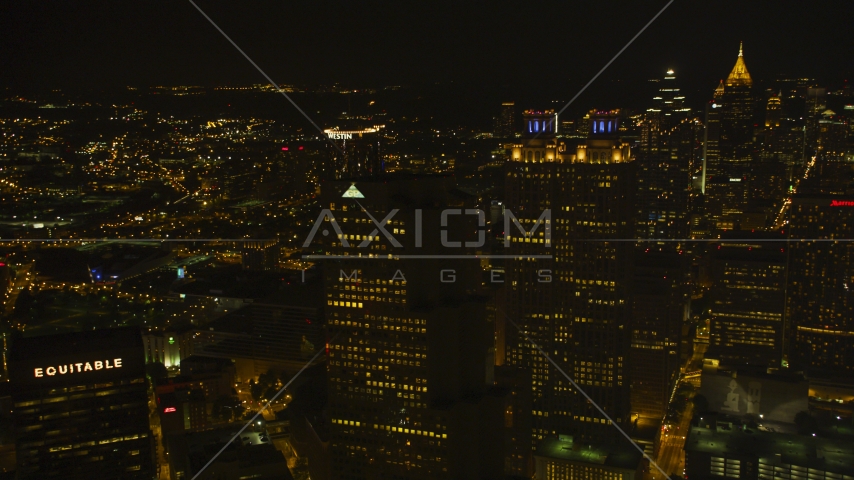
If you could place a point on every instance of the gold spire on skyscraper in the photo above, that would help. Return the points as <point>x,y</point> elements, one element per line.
<point>739,74</point>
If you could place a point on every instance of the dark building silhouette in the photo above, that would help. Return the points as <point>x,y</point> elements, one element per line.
<point>660,305</point>
<point>748,301</point>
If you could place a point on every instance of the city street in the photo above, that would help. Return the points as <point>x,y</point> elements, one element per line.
<point>671,454</point>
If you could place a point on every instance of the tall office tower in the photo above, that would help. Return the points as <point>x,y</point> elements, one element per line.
<point>81,406</point>
<point>662,283</point>
<point>728,191</point>
<point>505,123</point>
<point>410,354</point>
<point>582,126</point>
<point>816,103</point>
<point>581,318</point>
<point>770,171</point>
<point>832,135</point>
<point>784,135</point>
<point>299,166</point>
<point>665,182</point>
<point>530,302</point>
<point>819,303</point>
<point>516,382</point>
<point>668,111</point>
<point>660,305</point>
<point>749,281</point>
<point>773,111</point>
<point>356,153</point>
<point>594,206</point>
<point>712,139</point>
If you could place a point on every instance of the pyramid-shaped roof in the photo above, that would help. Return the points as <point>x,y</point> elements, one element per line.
<point>352,192</point>
<point>739,74</point>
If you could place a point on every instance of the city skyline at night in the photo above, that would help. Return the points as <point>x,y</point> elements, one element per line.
<point>357,242</point>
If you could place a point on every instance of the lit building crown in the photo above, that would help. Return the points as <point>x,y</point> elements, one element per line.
<point>739,74</point>
<point>719,90</point>
<point>539,122</point>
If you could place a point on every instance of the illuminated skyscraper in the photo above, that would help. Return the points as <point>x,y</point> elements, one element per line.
<point>773,110</point>
<point>727,194</point>
<point>737,115</point>
<point>820,303</point>
<point>664,161</point>
<point>581,317</point>
<point>358,153</point>
<point>669,104</point>
<point>816,103</point>
<point>505,123</point>
<point>832,135</point>
<point>770,172</point>
<point>530,191</point>
<point>665,182</point>
<point>410,360</point>
<point>712,140</point>
<point>595,205</point>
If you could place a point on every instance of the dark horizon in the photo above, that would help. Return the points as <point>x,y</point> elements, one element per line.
<point>110,45</point>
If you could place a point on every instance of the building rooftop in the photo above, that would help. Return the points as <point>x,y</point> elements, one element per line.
<point>52,346</point>
<point>621,455</point>
<point>249,451</point>
<point>722,438</point>
<point>265,287</point>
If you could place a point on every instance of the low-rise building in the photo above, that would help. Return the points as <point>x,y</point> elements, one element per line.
<point>720,448</point>
<point>561,458</point>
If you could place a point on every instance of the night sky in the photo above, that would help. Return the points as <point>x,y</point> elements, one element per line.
<point>553,47</point>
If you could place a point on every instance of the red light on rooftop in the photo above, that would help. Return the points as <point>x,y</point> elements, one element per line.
<point>284,149</point>
<point>300,147</point>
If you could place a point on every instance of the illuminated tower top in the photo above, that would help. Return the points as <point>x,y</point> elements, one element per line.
<point>772,111</point>
<point>739,75</point>
<point>604,124</point>
<point>540,123</point>
<point>669,104</point>
<point>719,91</point>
